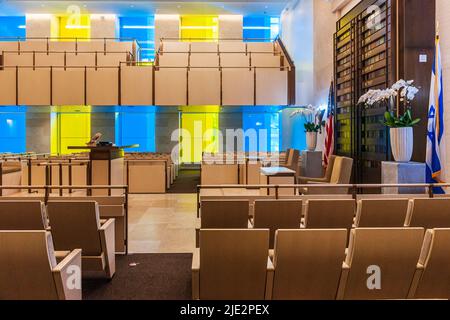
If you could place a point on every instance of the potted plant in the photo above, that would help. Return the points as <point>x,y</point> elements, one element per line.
<point>313,124</point>
<point>400,124</point>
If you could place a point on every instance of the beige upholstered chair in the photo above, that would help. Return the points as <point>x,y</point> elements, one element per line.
<point>277,214</point>
<point>29,271</point>
<point>341,174</point>
<point>330,214</point>
<point>223,214</point>
<point>381,213</point>
<point>308,264</point>
<point>292,157</point>
<point>429,213</point>
<point>325,179</point>
<point>76,224</point>
<point>432,278</point>
<point>231,265</point>
<point>390,254</point>
<point>23,215</point>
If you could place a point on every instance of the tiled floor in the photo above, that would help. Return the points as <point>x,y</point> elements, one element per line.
<point>162,223</point>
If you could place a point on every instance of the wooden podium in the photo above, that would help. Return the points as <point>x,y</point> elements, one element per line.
<point>106,167</point>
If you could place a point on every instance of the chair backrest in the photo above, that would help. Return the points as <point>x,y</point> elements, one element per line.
<point>289,154</point>
<point>330,214</point>
<point>233,264</point>
<point>434,282</point>
<point>26,262</point>
<point>75,225</point>
<point>382,213</point>
<point>430,213</point>
<point>292,159</point>
<point>308,263</point>
<point>22,215</point>
<point>329,170</point>
<point>342,170</point>
<point>277,214</point>
<point>224,214</point>
<point>392,252</point>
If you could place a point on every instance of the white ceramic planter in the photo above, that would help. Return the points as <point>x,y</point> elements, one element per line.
<point>311,141</point>
<point>402,144</point>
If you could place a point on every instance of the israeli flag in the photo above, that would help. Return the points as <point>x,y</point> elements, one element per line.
<point>436,160</point>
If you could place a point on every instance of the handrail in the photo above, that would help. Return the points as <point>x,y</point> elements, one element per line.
<point>216,39</point>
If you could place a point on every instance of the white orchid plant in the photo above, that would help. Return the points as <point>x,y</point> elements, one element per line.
<point>406,91</point>
<point>313,118</point>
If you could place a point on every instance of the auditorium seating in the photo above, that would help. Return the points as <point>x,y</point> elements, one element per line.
<point>429,213</point>
<point>325,179</point>
<point>231,265</point>
<point>382,213</point>
<point>431,280</point>
<point>330,214</point>
<point>23,215</point>
<point>307,264</point>
<point>275,215</point>
<point>390,254</point>
<point>29,269</point>
<point>76,224</point>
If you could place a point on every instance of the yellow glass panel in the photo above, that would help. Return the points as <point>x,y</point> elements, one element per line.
<point>75,26</point>
<point>199,27</point>
<point>70,128</point>
<point>199,134</point>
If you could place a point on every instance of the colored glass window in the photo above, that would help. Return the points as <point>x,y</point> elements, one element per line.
<point>142,29</point>
<point>13,132</point>
<point>136,128</point>
<point>199,27</point>
<point>12,27</point>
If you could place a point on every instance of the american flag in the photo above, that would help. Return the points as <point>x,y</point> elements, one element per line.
<point>329,128</point>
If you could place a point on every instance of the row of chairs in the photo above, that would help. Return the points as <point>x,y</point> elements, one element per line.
<point>224,60</point>
<point>73,225</point>
<point>390,263</point>
<point>324,214</point>
<point>217,47</point>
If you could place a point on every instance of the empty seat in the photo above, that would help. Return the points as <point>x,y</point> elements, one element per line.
<point>204,47</point>
<point>271,87</point>
<point>260,47</point>
<point>170,87</point>
<point>120,46</point>
<point>234,60</point>
<point>232,46</point>
<point>102,86</point>
<point>76,224</point>
<point>175,46</point>
<point>277,214</point>
<point>238,88</point>
<point>29,270</point>
<point>204,87</point>
<point>429,213</point>
<point>224,214</point>
<point>49,59</point>
<point>80,59</point>
<point>173,60</point>
<point>265,60</point>
<point>308,264</point>
<point>330,214</point>
<point>204,60</point>
<point>9,46</point>
<point>23,215</point>
<point>432,278</point>
<point>381,213</point>
<point>231,265</point>
<point>380,263</point>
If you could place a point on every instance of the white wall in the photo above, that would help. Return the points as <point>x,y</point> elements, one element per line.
<point>40,26</point>
<point>104,26</point>
<point>166,26</point>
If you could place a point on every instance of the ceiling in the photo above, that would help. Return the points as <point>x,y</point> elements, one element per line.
<point>144,7</point>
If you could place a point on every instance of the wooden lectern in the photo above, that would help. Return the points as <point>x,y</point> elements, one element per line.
<point>106,167</point>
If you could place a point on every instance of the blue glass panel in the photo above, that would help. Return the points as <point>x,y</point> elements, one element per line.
<point>297,133</point>
<point>136,128</point>
<point>141,28</point>
<point>11,27</point>
<point>12,132</point>
<point>261,27</point>
<point>267,126</point>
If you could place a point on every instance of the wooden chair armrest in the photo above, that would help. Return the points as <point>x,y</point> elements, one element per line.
<point>343,281</point>
<point>269,279</point>
<point>196,274</point>
<point>107,238</point>
<point>67,276</point>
